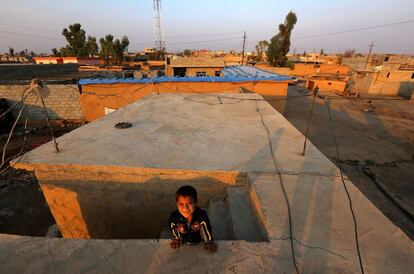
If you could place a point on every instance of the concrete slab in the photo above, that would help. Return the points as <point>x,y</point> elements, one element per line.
<point>217,144</point>
<point>191,132</point>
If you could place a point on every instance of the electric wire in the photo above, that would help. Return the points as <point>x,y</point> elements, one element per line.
<point>354,30</point>
<point>283,189</point>
<point>344,185</point>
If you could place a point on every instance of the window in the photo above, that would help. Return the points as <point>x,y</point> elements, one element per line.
<point>201,73</point>
<point>388,74</point>
<point>386,58</point>
<point>412,76</point>
<point>217,73</point>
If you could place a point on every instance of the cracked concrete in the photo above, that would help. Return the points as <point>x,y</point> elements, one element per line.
<point>170,133</point>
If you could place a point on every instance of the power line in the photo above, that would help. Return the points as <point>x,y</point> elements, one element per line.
<point>131,36</point>
<point>355,30</point>
<point>195,42</point>
<point>31,35</point>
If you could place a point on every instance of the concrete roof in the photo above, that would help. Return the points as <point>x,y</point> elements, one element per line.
<point>197,62</point>
<point>205,132</point>
<point>194,132</point>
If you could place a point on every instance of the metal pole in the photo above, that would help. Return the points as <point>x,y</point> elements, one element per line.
<point>244,45</point>
<point>369,54</point>
<point>48,123</point>
<point>309,120</point>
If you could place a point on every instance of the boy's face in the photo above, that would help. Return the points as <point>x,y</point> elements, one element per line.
<point>186,205</point>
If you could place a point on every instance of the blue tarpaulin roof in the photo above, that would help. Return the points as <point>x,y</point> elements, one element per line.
<point>231,74</point>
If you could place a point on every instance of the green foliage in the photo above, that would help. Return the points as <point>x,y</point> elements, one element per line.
<point>76,38</point>
<point>56,53</point>
<point>187,52</point>
<point>11,51</point>
<point>261,48</point>
<point>112,52</point>
<point>280,43</point>
<point>91,46</point>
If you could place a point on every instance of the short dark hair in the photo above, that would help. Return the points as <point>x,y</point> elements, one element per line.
<point>186,191</point>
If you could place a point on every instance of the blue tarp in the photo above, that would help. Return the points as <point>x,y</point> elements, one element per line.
<point>231,74</point>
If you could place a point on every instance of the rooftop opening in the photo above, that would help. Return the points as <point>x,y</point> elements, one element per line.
<point>119,210</point>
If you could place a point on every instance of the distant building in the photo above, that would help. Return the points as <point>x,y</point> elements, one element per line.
<point>8,59</point>
<point>394,83</point>
<point>148,51</point>
<point>231,60</point>
<point>67,60</point>
<point>195,67</point>
<point>379,62</point>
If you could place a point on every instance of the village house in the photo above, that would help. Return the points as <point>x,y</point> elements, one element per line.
<point>67,60</point>
<point>195,67</point>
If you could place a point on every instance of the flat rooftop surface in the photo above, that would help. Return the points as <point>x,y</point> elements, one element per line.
<point>224,133</point>
<point>196,132</point>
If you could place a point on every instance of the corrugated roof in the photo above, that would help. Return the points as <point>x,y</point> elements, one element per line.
<point>197,62</point>
<point>231,74</point>
<point>247,71</point>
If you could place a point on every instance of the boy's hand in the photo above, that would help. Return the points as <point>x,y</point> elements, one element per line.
<point>175,244</point>
<point>211,247</point>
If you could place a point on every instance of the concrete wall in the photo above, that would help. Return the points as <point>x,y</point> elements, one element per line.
<point>326,85</point>
<point>95,98</point>
<point>304,70</point>
<point>192,72</point>
<point>394,83</point>
<point>62,102</point>
<point>25,72</point>
<point>310,69</point>
<point>103,202</point>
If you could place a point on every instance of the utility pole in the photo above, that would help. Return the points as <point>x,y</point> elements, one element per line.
<point>159,37</point>
<point>244,46</point>
<point>369,54</point>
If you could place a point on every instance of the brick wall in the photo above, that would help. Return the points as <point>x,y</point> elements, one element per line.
<point>62,102</point>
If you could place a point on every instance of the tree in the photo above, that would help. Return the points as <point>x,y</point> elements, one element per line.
<point>56,53</point>
<point>349,53</point>
<point>22,53</point>
<point>11,51</point>
<point>91,46</point>
<point>322,52</point>
<point>76,38</point>
<point>106,48</point>
<point>187,52</point>
<point>113,51</point>
<point>261,49</point>
<point>280,43</point>
<point>304,53</point>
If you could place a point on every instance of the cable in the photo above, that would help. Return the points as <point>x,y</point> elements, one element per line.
<point>31,35</point>
<point>194,42</point>
<point>138,36</point>
<point>283,189</point>
<point>355,30</point>
<point>345,187</point>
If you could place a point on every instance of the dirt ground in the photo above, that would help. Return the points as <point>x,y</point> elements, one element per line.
<point>376,146</point>
<point>23,208</point>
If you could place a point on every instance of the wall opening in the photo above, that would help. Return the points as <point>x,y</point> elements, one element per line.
<point>111,210</point>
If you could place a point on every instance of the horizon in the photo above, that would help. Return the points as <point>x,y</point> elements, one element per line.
<point>213,26</point>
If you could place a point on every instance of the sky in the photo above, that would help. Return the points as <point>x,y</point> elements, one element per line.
<point>213,24</point>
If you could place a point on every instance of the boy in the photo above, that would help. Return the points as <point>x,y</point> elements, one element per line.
<point>189,223</point>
